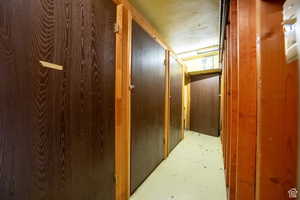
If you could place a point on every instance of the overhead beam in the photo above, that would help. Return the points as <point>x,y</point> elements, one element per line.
<point>200,49</point>
<point>214,53</point>
<point>203,72</point>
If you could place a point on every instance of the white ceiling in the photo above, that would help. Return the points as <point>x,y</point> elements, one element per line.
<point>184,24</point>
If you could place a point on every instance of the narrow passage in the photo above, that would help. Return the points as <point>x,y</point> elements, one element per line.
<point>193,171</point>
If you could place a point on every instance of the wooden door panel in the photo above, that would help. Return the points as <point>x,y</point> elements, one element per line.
<point>57,127</point>
<point>205,104</point>
<point>176,82</point>
<point>147,105</point>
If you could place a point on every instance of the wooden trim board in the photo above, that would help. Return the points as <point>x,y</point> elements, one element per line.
<point>167,105</point>
<point>247,100</point>
<point>183,70</point>
<point>203,72</point>
<point>123,103</point>
<point>213,53</point>
<point>234,99</point>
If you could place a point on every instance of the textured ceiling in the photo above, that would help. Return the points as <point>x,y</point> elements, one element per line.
<point>184,24</point>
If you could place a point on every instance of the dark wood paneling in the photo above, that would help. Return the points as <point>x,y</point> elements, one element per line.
<point>205,104</point>
<point>175,103</point>
<point>57,127</point>
<point>147,107</point>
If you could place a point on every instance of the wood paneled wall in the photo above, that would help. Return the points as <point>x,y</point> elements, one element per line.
<point>298,122</point>
<point>247,100</point>
<point>260,104</point>
<point>233,92</point>
<point>240,100</point>
<point>205,104</point>
<point>230,99</point>
<point>277,107</point>
<point>123,102</point>
<point>57,127</point>
<point>176,85</point>
<point>147,105</point>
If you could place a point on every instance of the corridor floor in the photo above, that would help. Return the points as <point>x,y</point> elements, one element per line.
<point>193,171</point>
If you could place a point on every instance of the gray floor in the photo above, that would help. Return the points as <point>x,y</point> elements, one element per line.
<point>193,171</point>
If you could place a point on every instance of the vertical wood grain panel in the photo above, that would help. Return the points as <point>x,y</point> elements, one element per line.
<point>187,96</point>
<point>298,111</point>
<point>183,72</point>
<point>147,105</point>
<point>205,104</point>
<point>58,126</point>
<point>277,107</point>
<point>247,98</point>
<point>176,84</point>
<point>123,97</point>
<point>234,99</point>
<point>228,105</point>
<point>167,104</point>
<point>15,81</point>
<point>225,95</point>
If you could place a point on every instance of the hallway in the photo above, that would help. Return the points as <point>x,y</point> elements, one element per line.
<point>194,170</point>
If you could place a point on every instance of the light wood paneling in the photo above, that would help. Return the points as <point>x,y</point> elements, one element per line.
<point>203,72</point>
<point>187,97</point>
<point>167,104</point>
<point>123,99</point>
<point>277,107</point>
<point>247,98</point>
<point>234,100</point>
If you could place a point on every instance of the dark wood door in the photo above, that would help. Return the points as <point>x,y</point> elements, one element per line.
<point>57,127</point>
<point>176,83</point>
<point>147,106</point>
<point>205,104</point>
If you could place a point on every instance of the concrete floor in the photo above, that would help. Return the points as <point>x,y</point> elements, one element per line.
<point>193,171</point>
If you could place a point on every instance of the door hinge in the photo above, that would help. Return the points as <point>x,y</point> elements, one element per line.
<point>165,62</point>
<point>116,28</point>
